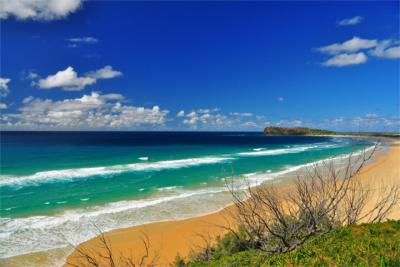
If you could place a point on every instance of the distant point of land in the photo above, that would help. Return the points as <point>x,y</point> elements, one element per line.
<point>273,130</point>
<point>296,131</point>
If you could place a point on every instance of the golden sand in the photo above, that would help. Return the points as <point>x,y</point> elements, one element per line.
<point>173,237</point>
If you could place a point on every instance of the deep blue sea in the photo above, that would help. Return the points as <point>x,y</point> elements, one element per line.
<point>56,185</point>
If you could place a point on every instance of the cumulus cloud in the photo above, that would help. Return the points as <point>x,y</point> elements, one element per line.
<point>4,91</point>
<point>386,49</point>
<point>3,106</point>
<point>367,122</point>
<point>371,116</point>
<point>346,59</point>
<point>290,123</point>
<point>354,51</point>
<point>67,79</point>
<point>337,121</point>
<point>353,45</point>
<point>31,75</point>
<point>213,119</point>
<point>106,72</point>
<point>350,21</point>
<point>249,124</point>
<point>92,111</point>
<point>371,120</point>
<point>241,114</point>
<point>38,9</point>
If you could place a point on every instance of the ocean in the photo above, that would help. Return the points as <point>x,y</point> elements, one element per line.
<point>57,188</point>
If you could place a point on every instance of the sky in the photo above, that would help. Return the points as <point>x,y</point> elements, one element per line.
<point>186,65</point>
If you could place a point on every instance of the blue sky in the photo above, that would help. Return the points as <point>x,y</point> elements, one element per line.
<point>199,65</point>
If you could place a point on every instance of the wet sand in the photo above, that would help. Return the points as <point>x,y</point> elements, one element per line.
<point>169,238</point>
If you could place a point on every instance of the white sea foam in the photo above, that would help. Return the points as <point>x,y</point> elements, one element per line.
<point>254,179</point>
<point>277,151</point>
<point>168,188</point>
<point>69,174</point>
<point>39,233</point>
<point>287,150</point>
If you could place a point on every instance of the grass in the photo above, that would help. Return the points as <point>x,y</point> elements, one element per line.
<point>362,245</point>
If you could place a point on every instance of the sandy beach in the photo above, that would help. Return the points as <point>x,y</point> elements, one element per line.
<point>169,238</point>
<point>140,133</point>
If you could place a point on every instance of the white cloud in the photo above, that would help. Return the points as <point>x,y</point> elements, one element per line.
<point>38,9</point>
<point>4,91</point>
<point>106,72</point>
<point>29,75</point>
<point>353,51</point>
<point>353,45</point>
<point>84,40</point>
<point>181,113</point>
<point>192,118</point>
<point>289,123</point>
<point>93,111</point>
<point>241,114</point>
<point>345,60</point>
<point>386,49</point>
<point>249,124</point>
<point>67,79</point>
<point>212,119</point>
<point>3,106</point>
<point>371,116</point>
<point>367,122</point>
<point>207,110</point>
<point>280,99</point>
<point>27,99</point>
<point>350,21</point>
<point>337,121</point>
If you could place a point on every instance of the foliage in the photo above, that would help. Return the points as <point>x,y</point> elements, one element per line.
<point>272,130</point>
<point>321,199</point>
<point>376,244</point>
<point>295,131</point>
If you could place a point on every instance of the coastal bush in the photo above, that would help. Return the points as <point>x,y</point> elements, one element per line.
<point>295,131</point>
<point>311,222</point>
<point>374,244</point>
<point>105,256</point>
<point>323,198</point>
<point>231,243</point>
<point>269,222</point>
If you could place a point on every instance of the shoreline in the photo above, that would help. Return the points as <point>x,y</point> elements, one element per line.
<point>168,236</point>
<point>178,236</point>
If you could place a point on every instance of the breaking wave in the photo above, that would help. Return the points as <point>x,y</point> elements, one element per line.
<point>69,174</point>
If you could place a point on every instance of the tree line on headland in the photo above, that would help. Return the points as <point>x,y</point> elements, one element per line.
<point>274,130</point>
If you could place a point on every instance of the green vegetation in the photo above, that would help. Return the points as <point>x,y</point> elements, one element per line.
<point>375,244</point>
<point>310,131</point>
<point>295,131</point>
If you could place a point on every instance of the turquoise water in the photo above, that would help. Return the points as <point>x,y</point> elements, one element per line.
<point>53,184</point>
